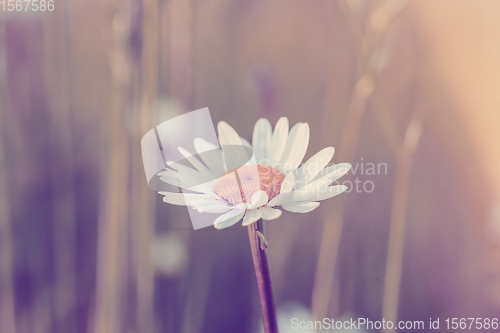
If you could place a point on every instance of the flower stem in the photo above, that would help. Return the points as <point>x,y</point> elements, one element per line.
<point>261,266</point>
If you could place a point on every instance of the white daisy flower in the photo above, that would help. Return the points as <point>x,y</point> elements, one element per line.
<point>257,188</point>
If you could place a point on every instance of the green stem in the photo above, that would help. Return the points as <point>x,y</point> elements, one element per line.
<point>263,275</point>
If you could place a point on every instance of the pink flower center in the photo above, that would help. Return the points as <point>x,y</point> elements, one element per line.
<point>238,186</point>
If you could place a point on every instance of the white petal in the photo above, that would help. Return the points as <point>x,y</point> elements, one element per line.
<point>212,206</point>
<point>268,213</point>
<point>210,154</point>
<point>206,202</point>
<point>245,142</point>
<point>278,141</point>
<point>292,134</point>
<point>317,186</point>
<point>235,158</point>
<point>259,199</point>
<point>320,183</point>
<point>176,179</point>
<point>228,219</point>
<point>229,139</point>
<point>243,206</point>
<point>301,207</point>
<point>189,176</point>
<point>280,199</point>
<point>288,183</point>
<point>172,180</point>
<point>286,191</point>
<point>261,139</point>
<point>333,172</point>
<point>165,172</point>
<point>183,199</point>
<point>330,192</point>
<point>227,135</point>
<point>296,147</point>
<point>313,166</point>
<point>196,163</point>
<point>214,210</point>
<point>251,216</point>
<point>201,145</point>
<point>206,189</point>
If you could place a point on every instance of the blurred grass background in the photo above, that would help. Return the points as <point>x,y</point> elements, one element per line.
<point>85,246</point>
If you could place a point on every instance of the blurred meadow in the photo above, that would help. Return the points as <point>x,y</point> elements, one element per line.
<point>408,86</point>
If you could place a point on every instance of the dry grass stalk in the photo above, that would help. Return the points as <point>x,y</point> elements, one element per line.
<point>113,219</point>
<point>7,309</point>
<point>365,91</point>
<point>142,200</point>
<point>394,265</point>
<point>56,75</point>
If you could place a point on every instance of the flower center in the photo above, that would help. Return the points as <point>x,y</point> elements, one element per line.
<point>238,186</point>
